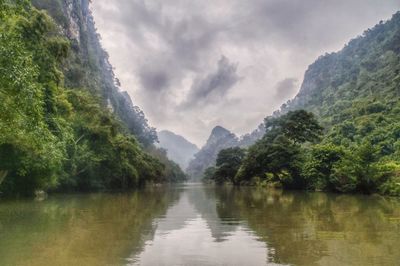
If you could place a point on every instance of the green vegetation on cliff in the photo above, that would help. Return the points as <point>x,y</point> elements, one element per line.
<point>55,135</point>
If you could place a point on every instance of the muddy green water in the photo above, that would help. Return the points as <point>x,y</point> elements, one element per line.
<point>195,224</point>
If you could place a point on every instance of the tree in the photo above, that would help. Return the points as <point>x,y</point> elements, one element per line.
<point>357,171</point>
<point>279,152</point>
<point>298,126</point>
<point>31,155</point>
<point>319,165</point>
<point>209,174</point>
<point>227,164</point>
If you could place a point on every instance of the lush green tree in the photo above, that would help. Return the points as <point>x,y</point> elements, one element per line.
<point>209,174</point>
<point>278,160</point>
<point>357,171</point>
<point>278,155</point>
<point>319,164</point>
<point>31,153</point>
<point>227,164</point>
<point>298,126</point>
<point>391,185</point>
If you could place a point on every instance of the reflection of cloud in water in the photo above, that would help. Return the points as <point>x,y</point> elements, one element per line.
<point>205,203</point>
<point>192,233</point>
<point>177,216</point>
<point>194,245</point>
<point>194,202</point>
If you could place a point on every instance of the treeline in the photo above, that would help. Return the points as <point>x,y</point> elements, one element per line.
<point>54,137</point>
<point>295,154</point>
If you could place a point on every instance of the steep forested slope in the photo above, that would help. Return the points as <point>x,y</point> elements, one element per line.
<point>87,65</point>
<point>355,92</point>
<point>64,124</point>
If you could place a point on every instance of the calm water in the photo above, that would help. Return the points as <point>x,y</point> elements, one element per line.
<point>201,225</point>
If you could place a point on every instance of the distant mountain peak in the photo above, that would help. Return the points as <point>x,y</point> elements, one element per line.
<point>178,148</point>
<point>171,134</point>
<point>220,138</point>
<point>220,131</point>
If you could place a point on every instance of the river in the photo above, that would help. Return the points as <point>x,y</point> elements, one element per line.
<point>195,224</point>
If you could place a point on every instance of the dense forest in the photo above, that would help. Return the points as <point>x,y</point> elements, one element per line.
<point>64,123</point>
<point>340,133</point>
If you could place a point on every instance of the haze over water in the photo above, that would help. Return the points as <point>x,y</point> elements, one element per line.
<point>196,224</point>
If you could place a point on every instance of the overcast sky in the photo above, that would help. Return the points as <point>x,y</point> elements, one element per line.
<point>194,64</point>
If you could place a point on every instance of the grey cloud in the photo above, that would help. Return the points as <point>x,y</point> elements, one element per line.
<point>183,38</point>
<point>215,85</point>
<point>286,88</point>
<point>170,47</point>
<point>154,80</point>
<point>306,24</point>
<point>188,40</point>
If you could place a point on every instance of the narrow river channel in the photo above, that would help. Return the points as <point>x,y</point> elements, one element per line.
<point>196,224</point>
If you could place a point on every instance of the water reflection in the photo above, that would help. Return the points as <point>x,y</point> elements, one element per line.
<point>193,233</point>
<point>201,225</point>
<point>318,228</point>
<point>96,229</point>
<point>249,226</point>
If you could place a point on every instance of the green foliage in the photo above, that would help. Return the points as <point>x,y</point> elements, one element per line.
<point>99,154</point>
<point>319,164</point>
<point>54,7</point>
<point>227,165</point>
<point>357,171</point>
<point>209,174</point>
<point>279,153</point>
<point>31,154</point>
<point>391,186</point>
<point>26,169</point>
<point>298,126</point>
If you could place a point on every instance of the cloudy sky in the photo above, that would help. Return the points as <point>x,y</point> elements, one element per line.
<point>194,64</point>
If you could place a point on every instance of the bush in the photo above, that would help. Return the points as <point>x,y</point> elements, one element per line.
<point>391,186</point>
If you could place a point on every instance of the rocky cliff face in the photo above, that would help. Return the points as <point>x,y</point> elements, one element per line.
<point>88,65</point>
